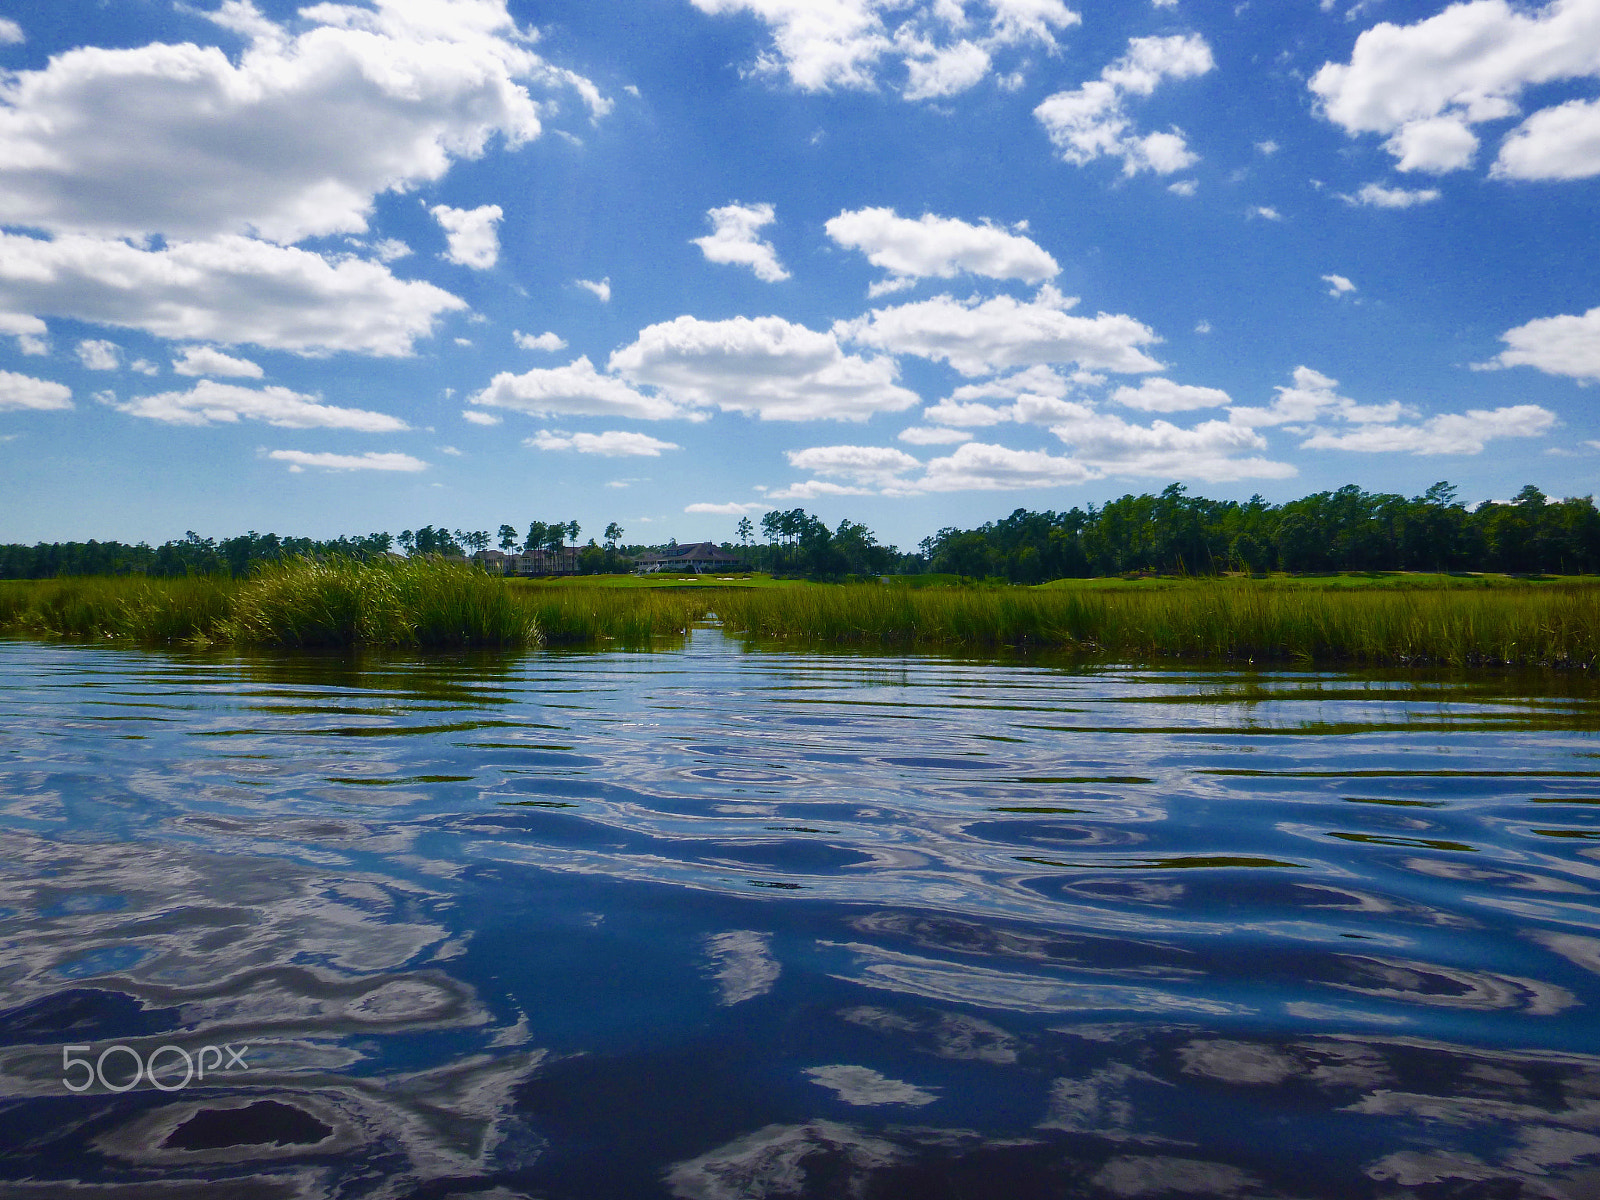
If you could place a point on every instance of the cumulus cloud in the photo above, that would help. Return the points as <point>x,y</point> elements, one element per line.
<point>1093,121</point>
<point>11,33</point>
<point>731,509</point>
<point>204,360</point>
<point>1375,195</point>
<point>940,247</point>
<point>812,489</point>
<point>734,239</point>
<point>765,366</point>
<point>480,418</point>
<point>933,435</point>
<point>25,392</point>
<point>1338,285</point>
<point>1312,397</point>
<point>1425,85</point>
<point>600,288</point>
<point>980,338</point>
<point>99,355</point>
<point>614,443</point>
<point>1555,143</point>
<point>859,464</point>
<point>28,330</point>
<point>294,139</point>
<point>229,290</point>
<point>1448,433</point>
<point>1565,345</point>
<point>1265,212</point>
<point>1162,395</point>
<point>472,234</point>
<point>575,390</point>
<point>211,403</point>
<point>299,460</point>
<point>550,342</point>
<point>822,45</point>
<point>979,466</point>
<point>1215,451</point>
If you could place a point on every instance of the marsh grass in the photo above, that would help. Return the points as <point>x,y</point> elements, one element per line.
<point>1213,619</point>
<point>303,604</point>
<point>425,603</point>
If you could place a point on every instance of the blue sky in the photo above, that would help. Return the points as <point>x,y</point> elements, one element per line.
<point>344,267</point>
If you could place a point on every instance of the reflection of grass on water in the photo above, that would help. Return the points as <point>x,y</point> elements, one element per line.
<point>301,604</point>
<point>1214,619</point>
<point>431,603</point>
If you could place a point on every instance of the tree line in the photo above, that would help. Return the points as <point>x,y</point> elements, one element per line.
<point>1168,532</point>
<point>1344,530</point>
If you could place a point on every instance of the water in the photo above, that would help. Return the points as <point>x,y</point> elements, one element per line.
<point>720,923</point>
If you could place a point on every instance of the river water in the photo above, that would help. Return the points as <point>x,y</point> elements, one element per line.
<point>728,922</point>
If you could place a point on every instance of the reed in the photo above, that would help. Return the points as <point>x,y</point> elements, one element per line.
<point>303,603</point>
<point>1214,619</point>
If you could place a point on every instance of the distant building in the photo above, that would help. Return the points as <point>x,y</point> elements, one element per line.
<point>540,561</point>
<point>697,558</point>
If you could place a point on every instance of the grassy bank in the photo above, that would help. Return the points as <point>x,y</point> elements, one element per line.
<point>304,604</point>
<point>430,603</point>
<point>1214,619</point>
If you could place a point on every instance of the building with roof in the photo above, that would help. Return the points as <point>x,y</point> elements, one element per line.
<point>696,558</point>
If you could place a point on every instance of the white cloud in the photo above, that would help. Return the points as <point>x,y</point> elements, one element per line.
<point>575,390</point>
<point>979,466</point>
<point>1093,121</point>
<point>601,288</point>
<point>765,366</point>
<point>26,392</point>
<point>734,240</point>
<point>209,403</point>
<point>480,418</point>
<point>299,460</point>
<point>390,249</point>
<point>614,443</point>
<point>28,330</point>
<point>1268,147</point>
<point>859,464</point>
<point>550,342</point>
<point>1184,187</point>
<point>999,333</point>
<point>1374,195</point>
<point>952,412</point>
<point>1436,145</point>
<point>933,435</point>
<point>1555,143</point>
<point>11,33</point>
<point>230,290</point>
<point>1565,345</point>
<point>1338,285</point>
<point>1265,212</point>
<point>474,240</point>
<point>1038,381</point>
<point>812,489</point>
<point>1424,85</point>
<point>1210,451</point>
<point>204,360</point>
<point>731,509</point>
<point>1202,327</point>
<point>292,140</point>
<point>1162,395</point>
<point>941,247</point>
<point>100,355</point>
<point>1310,398</point>
<point>1448,433</point>
<point>820,45</point>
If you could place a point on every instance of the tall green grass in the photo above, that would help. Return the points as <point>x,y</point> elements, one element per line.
<point>302,603</point>
<point>1214,619</point>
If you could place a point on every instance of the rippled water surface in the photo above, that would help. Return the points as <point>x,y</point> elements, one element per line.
<point>714,922</point>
